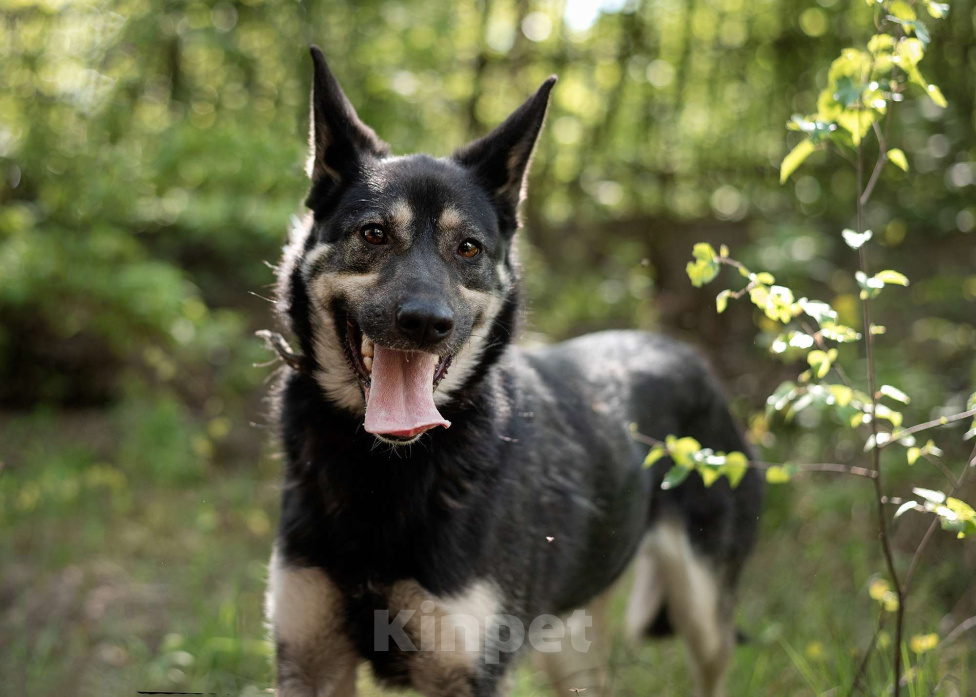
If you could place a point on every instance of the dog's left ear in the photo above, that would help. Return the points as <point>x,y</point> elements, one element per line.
<point>500,160</point>
<point>339,142</point>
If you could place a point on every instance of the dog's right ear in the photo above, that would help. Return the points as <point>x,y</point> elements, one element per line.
<point>339,142</point>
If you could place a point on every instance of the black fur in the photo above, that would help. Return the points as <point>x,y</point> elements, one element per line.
<point>540,443</point>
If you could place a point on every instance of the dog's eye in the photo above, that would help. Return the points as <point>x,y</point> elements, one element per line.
<point>469,249</point>
<point>374,234</point>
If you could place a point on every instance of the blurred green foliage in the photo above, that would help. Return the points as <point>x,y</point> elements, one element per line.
<point>151,154</point>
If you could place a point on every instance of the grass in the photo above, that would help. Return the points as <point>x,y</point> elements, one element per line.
<point>139,563</point>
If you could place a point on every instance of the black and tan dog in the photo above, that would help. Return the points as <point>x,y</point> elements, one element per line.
<point>446,487</point>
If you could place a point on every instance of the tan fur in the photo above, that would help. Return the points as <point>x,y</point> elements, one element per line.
<point>466,360</point>
<point>451,219</point>
<point>669,569</point>
<point>449,633</point>
<point>401,216</point>
<point>335,376</point>
<point>304,609</point>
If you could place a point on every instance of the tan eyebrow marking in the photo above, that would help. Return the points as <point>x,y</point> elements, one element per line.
<point>450,218</point>
<point>401,214</point>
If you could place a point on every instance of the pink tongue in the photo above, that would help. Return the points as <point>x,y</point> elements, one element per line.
<point>400,398</point>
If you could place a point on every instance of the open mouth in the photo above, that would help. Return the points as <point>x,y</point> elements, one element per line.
<point>398,386</point>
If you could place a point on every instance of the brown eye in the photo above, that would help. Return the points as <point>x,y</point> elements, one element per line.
<point>374,234</point>
<point>469,249</point>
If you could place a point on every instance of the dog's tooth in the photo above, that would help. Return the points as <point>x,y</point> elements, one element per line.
<point>368,362</point>
<point>367,347</point>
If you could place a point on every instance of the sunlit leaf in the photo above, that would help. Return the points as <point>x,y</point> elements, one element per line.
<point>939,10</point>
<point>722,301</point>
<point>795,158</point>
<point>905,507</point>
<point>902,10</point>
<point>655,454</point>
<point>856,240</point>
<point>930,495</point>
<point>898,159</point>
<point>778,474</point>
<point>820,311</point>
<point>736,465</point>
<point>889,277</point>
<point>895,393</point>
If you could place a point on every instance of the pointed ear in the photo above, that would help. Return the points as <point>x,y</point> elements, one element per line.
<point>338,141</point>
<point>500,160</point>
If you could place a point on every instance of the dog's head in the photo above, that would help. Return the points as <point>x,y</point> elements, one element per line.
<point>401,279</point>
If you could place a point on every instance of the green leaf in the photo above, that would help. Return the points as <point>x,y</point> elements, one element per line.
<point>820,361</point>
<point>778,474</point>
<point>881,43</point>
<point>736,465</point>
<point>921,31</point>
<point>889,277</point>
<point>820,311</point>
<point>709,475</point>
<point>905,507</point>
<point>782,396</point>
<point>655,454</point>
<point>847,93</point>
<point>675,476</point>
<point>722,301</point>
<point>856,240</point>
<point>703,252</point>
<point>910,52</point>
<point>683,450</point>
<point>936,497</point>
<point>939,10</point>
<point>838,332</point>
<point>936,95</point>
<point>705,267</point>
<point>795,158</point>
<point>902,10</point>
<point>776,302</point>
<point>895,394</point>
<point>898,159</point>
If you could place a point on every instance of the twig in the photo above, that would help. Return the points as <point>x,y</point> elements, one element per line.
<point>759,464</point>
<point>960,629</point>
<point>818,337</point>
<point>276,342</point>
<point>865,195</point>
<point>934,423</point>
<point>931,530</point>
<point>862,198</point>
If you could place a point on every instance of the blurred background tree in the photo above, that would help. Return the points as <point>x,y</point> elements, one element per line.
<point>151,155</point>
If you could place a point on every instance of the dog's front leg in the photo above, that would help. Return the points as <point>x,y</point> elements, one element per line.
<point>314,655</point>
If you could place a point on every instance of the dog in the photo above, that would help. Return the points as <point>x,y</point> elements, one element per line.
<point>442,483</point>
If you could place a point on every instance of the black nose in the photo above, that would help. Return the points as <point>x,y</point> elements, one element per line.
<point>425,321</point>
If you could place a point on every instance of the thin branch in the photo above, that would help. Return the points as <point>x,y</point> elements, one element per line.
<point>946,472</point>
<point>865,195</point>
<point>934,423</point>
<point>818,337</point>
<point>760,465</point>
<point>935,522</point>
<point>960,629</point>
<point>862,198</point>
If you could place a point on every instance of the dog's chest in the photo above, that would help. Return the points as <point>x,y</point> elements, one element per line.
<point>414,637</point>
